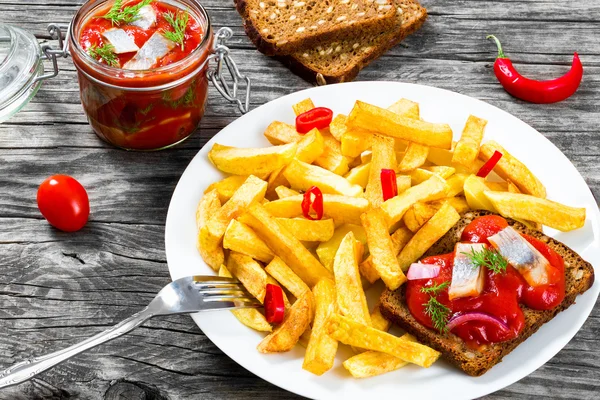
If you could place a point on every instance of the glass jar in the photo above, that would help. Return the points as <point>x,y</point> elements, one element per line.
<point>131,109</point>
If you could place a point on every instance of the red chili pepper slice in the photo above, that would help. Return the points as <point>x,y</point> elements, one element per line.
<point>389,185</point>
<point>534,91</point>
<point>318,117</point>
<point>313,198</point>
<point>489,165</point>
<point>274,305</point>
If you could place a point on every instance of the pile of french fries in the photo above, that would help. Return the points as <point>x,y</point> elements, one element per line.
<point>250,224</point>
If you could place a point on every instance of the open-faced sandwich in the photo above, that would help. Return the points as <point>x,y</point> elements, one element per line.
<point>482,289</point>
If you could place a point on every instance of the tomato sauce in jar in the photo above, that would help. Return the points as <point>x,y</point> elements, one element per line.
<point>142,69</point>
<point>502,295</point>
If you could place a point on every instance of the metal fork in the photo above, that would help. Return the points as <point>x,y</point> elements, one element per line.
<point>186,295</point>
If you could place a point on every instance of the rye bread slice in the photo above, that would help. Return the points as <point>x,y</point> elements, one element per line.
<point>284,26</point>
<point>341,61</point>
<point>579,278</point>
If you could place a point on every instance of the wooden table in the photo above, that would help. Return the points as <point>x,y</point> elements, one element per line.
<point>57,288</point>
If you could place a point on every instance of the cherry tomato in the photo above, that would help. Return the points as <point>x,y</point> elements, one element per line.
<point>64,203</point>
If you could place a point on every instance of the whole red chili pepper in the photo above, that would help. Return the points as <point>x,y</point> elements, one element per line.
<point>313,198</point>
<point>542,92</point>
<point>319,117</point>
<point>389,185</point>
<point>489,165</point>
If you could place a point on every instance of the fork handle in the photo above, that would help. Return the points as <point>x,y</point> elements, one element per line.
<point>27,369</point>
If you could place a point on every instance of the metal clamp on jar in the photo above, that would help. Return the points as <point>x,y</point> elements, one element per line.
<point>134,109</point>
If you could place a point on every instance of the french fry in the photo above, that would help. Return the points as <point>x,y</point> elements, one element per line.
<point>227,187</point>
<point>382,250</point>
<point>456,184</point>
<point>399,239</point>
<point>532,208</point>
<point>351,298</point>
<point>305,337</point>
<point>415,157</point>
<point>429,233</point>
<point>306,230</point>
<point>241,161</point>
<point>359,175</point>
<point>403,183</point>
<point>372,363</point>
<point>420,175</point>
<point>286,277</point>
<point>326,250</point>
<point>250,273</point>
<point>252,191</point>
<point>458,203</point>
<point>474,187</point>
<point>378,321</point>
<point>285,245</point>
<point>332,159</point>
<point>321,349</point>
<point>208,247</point>
<point>250,317</point>
<point>352,333</point>
<point>432,189</point>
<point>343,209</point>
<point>406,108</point>
<point>418,215</point>
<point>287,334</point>
<point>284,191</point>
<point>276,179</point>
<point>303,176</point>
<point>384,157</point>
<point>512,188</point>
<point>467,148</point>
<point>370,117</point>
<point>509,168</point>
<point>497,186</point>
<point>355,141</point>
<point>303,106</point>
<point>278,133</point>
<point>310,147</point>
<point>337,127</point>
<point>442,157</point>
<point>208,204</point>
<point>242,239</point>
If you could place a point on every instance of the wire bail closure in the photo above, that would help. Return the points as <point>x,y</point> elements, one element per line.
<point>216,75</point>
<point>52,54</point>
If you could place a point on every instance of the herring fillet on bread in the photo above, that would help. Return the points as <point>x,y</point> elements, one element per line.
<point>579,275</point>
<point>340,61</point>
<point>284,26</point>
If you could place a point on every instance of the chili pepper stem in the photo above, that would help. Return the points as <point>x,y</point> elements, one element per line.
<point>500,51</point>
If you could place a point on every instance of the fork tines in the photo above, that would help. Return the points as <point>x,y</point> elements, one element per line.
<point>221,289</point>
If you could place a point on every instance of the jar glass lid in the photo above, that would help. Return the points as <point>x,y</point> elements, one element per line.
<point>20,65</point>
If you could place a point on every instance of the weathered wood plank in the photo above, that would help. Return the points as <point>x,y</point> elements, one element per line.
<point>58,288</point>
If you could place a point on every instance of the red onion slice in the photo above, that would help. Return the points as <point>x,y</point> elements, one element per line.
<point>422,271</point>
<point>460,319</point>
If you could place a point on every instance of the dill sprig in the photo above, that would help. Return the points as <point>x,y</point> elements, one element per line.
<point>125,16</point>
<point>179,23</point>
<point>438,313</point>
<point>436,289</point>
<point>187,100</point>
<point>489,259</point>
<point>105,53</point>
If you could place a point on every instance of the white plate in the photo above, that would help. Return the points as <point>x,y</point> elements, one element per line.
<point>563,182</point>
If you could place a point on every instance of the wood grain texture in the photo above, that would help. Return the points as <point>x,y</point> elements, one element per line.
<point>58,288</point>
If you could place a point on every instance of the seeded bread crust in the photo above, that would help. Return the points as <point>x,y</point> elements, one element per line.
<point>297,24</point>
<point>337,62</point>
<point>579,278</point>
